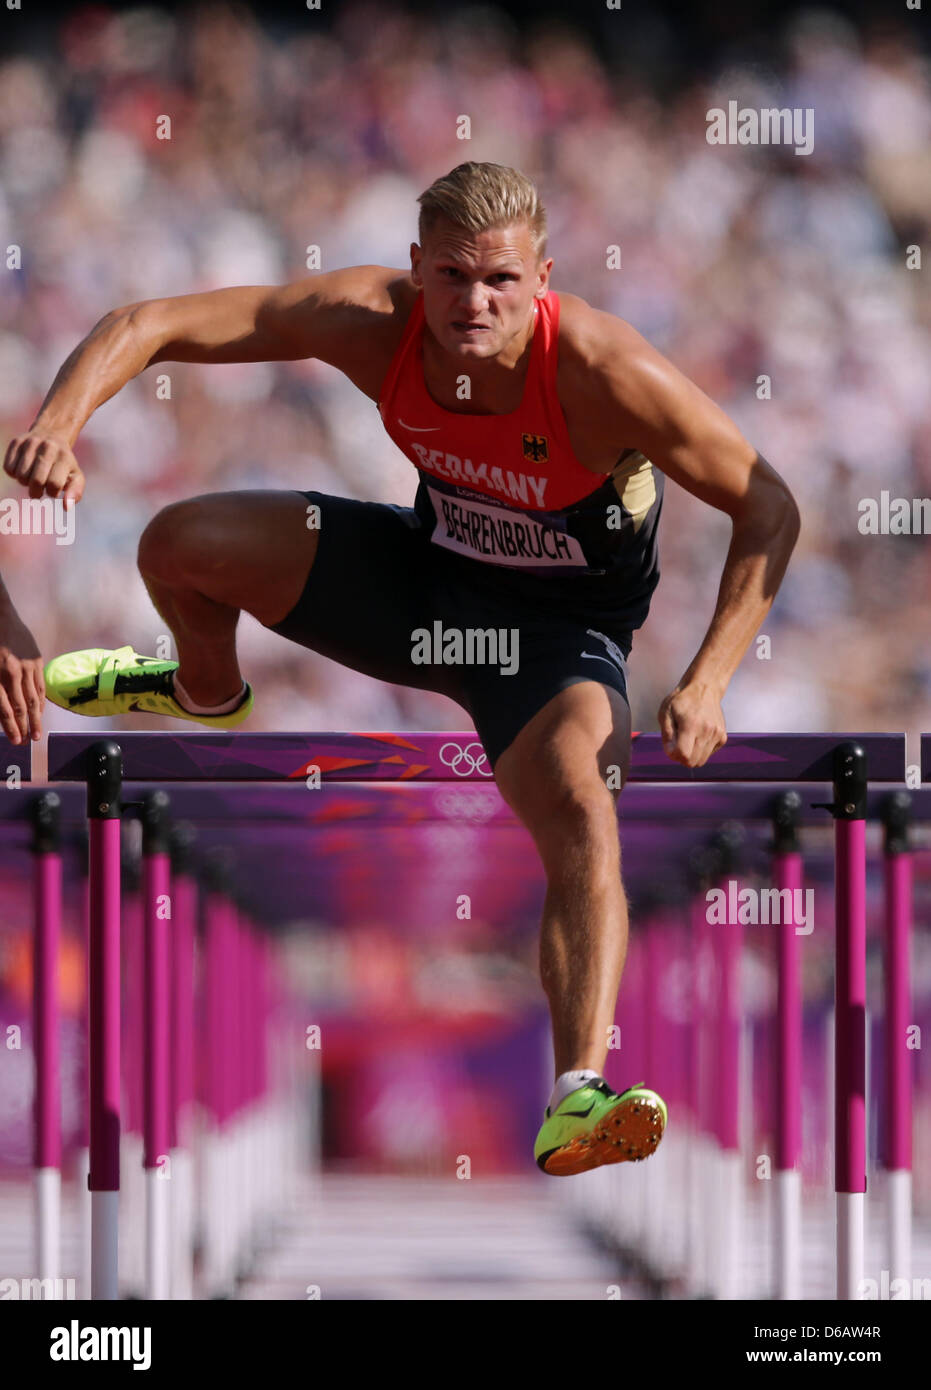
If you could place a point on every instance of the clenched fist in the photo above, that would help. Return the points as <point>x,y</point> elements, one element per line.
<point>44,463</point>
<point>691,722</point>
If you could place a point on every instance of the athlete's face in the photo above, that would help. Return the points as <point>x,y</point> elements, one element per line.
<point>478,287</point>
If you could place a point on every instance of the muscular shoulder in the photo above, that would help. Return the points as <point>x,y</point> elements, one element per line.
<point>352,319</point>
<point>616,388</point>
<point>372,289</point>
<point>358,296</point>
<point>598,352</point>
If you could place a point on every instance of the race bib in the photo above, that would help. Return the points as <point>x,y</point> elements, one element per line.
<point>500,536</point>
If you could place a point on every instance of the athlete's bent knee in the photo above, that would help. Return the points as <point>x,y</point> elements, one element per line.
<point>174,534</point>
<point>564,812</point>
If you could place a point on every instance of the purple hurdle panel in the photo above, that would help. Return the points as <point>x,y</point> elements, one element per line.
<point>430,757</point>
<point>842,760</point>
<point>17,763</point>
<point>926,757</point>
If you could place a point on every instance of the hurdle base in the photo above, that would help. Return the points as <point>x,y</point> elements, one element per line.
<point>105,1210</point>
<point>158,1243</point>
<point>850,1208</point>
<point>48,1222</point>
<point>899,1213</point>
<point>787,1233</point>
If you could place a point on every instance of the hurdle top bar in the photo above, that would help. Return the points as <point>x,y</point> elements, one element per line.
<point>445,757</point>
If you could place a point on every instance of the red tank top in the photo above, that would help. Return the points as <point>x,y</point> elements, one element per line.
<point>521,460</point>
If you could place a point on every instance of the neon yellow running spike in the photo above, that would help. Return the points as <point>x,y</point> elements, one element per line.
<point>596,1125</point>
<point>98,683</point>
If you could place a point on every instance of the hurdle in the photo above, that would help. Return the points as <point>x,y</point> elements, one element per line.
<point>621,1196</point>
<point>162,1046</point>
<point>842,761</point>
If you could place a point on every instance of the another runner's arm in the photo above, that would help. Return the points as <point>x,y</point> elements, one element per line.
<point>658,410</point>
<point>22,686</point>
<point>320,316</point>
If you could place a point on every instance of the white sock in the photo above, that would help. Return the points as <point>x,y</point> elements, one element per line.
<point>187,703</point>
<point>567,1083</point>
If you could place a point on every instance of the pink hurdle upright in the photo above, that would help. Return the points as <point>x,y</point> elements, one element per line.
<point>47,901</point>
<point>787,878</point>
<point>157,1090</point>
<point>184,919</point>
<point>104,786</point>
<point>849,811</point>
<point>896,1101</point>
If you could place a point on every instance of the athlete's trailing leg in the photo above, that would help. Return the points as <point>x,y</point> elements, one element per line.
<point>206,559</point>
<point>555,777</point>
<point>203,560</point>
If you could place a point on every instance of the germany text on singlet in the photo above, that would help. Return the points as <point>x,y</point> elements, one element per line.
<point>506,499</point>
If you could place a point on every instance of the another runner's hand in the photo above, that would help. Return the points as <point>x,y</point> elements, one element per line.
<point>22,686</point>
<point>691,722</point>
<point>44,463</point>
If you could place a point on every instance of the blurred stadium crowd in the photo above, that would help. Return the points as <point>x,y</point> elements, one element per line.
<point>736,262</point>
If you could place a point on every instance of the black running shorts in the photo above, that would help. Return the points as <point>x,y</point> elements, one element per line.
<point>379,594</point>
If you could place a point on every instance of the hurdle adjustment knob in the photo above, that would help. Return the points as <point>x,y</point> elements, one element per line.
<point>104,780</point>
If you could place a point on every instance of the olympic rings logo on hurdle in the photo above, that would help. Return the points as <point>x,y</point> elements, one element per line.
<point>460,756</point>
<point>475,804</point>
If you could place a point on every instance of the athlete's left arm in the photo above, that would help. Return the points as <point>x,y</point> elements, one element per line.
<point>658,410</point>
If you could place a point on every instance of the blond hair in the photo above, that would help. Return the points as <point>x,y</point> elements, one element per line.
<point>481,196</point>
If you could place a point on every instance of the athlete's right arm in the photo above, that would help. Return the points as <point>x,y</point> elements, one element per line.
<point>320,316</point>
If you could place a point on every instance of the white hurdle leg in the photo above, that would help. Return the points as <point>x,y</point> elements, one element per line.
<point>787,1233</point>
<point>48,1222</point>
<point>105,1211</point>
<point>182,1233</point>
<point>850,1216</point>
<point>899,1217</point>
<point>157,1242</point>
